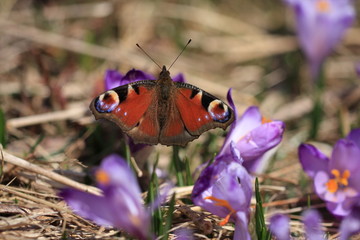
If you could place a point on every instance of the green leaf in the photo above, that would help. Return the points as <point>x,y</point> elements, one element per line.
<point>127,154</point>
<point>179,167</point>
<point>169,217</point>
<point>157,218</point>
<point>189,179</point>
<point>260,226</point>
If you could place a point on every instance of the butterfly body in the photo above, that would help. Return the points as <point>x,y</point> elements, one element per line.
<point>162,111</point>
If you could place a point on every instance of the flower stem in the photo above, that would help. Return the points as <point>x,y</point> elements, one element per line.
<point>317,113</point>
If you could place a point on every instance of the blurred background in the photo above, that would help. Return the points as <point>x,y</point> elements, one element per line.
<point>54,54</point>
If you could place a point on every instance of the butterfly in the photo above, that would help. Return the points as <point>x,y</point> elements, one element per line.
<point>162,111</point>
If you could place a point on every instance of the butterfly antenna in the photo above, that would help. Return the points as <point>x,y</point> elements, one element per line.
<point>148,55</point>
<point>180,53</point>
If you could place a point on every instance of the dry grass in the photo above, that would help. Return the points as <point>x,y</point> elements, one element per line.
<point>53,56</point>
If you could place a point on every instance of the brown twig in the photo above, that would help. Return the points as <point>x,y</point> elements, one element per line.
<point>198,219</point>
<point>52,175</point>
<point>72,113</point>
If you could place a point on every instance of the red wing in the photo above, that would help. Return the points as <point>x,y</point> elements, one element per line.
<point>129,107</point>
<point>201,111</point>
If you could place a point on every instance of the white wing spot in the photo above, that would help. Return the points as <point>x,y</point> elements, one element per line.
<point>130,89</point>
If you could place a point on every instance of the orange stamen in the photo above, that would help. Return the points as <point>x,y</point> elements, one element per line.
<point>102,177</point>
<point>323,6</point>
<point>345,177</point>
<point>332,185</point>
<point>222,203</point>
<point>339,180</point>
<point>265,120</point>
<point>336,173</point>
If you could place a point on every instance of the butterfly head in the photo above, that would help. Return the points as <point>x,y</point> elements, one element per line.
<point>164,77</point>
<point>164,72</point>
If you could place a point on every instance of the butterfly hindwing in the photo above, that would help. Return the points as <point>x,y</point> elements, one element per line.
<point>201,111</point>
<point>174,131</point>
<point>129,106</point>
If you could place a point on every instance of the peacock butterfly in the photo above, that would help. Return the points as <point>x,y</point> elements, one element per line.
<point>162,111</point>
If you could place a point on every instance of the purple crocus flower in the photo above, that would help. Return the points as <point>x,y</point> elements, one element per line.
<point>279,226</point>
<point>312,222</point>
<point>224,189</point>
<point>350,225</point>
<point>115,79</point>
<point>253,136</point>
<point>336,179</point>
<point>320,26</point>
<point>121,204</point>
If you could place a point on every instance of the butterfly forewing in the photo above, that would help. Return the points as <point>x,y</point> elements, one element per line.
<point>127,106</point>
<point>201,111</point>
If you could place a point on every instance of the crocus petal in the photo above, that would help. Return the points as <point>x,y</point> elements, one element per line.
<point>89,206</point>
<point>235,153</point>
<point>320,180</point>
<point>115,79</point>
<point>344,208</point>
<point>128,206</point>
<point>350,225</point>
<point>179,78</point>
<point>226,180</point>
<point>312,160</point>
<point>345,156</point>
<point>239,128</point>
<point>250,120</point>
<point>109,211</point>
<point>119,173</point>
<point>312,222</point>
<point>232,105</point>
<point>136,75</point>
<point>261,139</point>
<point>112,79</point>
<point>136,147</point>
<point>279,226</point>
<point>205,181</point>
<point>354,135</point>
<point>235,186</point>
<point>241,227</point>
<point>183,234</point>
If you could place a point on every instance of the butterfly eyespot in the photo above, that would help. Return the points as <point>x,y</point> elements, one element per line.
<point>107,102</point>
<point>219,111</point>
